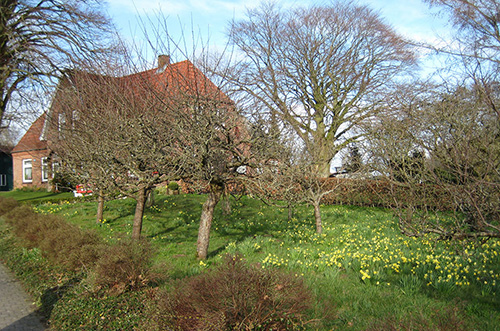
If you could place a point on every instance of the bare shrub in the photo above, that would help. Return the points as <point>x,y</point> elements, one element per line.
<point>7,204</point>
<point>235,296</point>
<point>69,246</point>
<point>30,226</point>
<point>125,265</point>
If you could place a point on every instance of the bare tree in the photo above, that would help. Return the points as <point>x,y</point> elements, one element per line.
<point>454,129</point>
<point>114,131</point>
<point>214,148</point>
<point>475,47</point>
<point>441,152</point>
<point>321,70</point>
<point>40,38</point>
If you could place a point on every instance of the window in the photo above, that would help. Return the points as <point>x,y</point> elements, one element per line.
<point>3,180</point>
<point>74,118</point>
<point>62,124</point>
<point>45,169</point>
<point>62,121</point>
<point>55,167</point>
<point>27,171</point>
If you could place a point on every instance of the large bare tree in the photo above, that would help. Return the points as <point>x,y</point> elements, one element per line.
<point>40,38</point>
<point>319,69</point>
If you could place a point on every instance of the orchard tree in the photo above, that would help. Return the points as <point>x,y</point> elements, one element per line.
<point>456,126</point>
<point>40,38</point>
<point>114,131</point>
<point>214,147</point>
<point>321,70</point>
<point>441,152</point>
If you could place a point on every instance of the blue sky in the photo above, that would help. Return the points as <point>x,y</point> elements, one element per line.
<point>411,18</point>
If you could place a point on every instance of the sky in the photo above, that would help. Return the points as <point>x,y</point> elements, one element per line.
<point>413,19</point>
<point>210,18</point>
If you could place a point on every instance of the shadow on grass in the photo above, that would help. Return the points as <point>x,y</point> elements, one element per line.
<point>38,197</point>
<point>51,296</point>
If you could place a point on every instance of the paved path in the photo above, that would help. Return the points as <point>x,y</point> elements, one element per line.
<point>16,311</point>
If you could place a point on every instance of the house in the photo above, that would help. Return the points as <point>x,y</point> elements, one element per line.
<point>29,158</point>
<point>33,160</point>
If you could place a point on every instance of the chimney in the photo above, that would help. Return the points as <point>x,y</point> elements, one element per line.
<point>163,62</point>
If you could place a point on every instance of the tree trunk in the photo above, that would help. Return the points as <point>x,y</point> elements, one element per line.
<point>323,169</point>
<point>150,201</point>
<point>100,209</point>
<point>207,215</point>
<point>139,213</point>
<point>317,217</point>
<point>226,205</point>
<point>290,212</point>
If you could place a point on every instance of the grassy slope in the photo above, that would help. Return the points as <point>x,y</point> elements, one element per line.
<point>365,274</point>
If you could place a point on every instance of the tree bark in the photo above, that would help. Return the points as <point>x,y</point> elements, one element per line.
<point>139,213</point>
<point>100,209</point>
<point>150,200</point>
<point>317,216</point>
<point>323,168</point>
<point>207,215</point>
<point>226,205</point>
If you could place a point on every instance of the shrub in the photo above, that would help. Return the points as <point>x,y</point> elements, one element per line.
<point>7,204</point>
<point>234,296</point>
<point>125,265</point>
<point>71,247</point>
<point>64,182</point>
<point>30,226</point>
<point>174,186</point>
<point>62,243</point>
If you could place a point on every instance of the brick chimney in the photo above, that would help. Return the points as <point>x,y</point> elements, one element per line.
<point>163,62</point>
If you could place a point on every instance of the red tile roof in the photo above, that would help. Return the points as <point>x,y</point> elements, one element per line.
<point>177,80</point>
<point>31,139</point>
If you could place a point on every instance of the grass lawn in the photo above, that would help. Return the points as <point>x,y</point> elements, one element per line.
<point>364,273</point>
<point>35,196</point>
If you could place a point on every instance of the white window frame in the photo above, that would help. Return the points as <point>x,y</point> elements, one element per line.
<point>75,117</point>
<point>61,121</point>
<point>26,167</point>
<point>61,124</point>
<point>55,168</point>
<point>45,169</point>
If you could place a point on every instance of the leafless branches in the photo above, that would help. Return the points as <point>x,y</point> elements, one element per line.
<point>319,69</point>
<point>442,153</point>
<point>38,39</point>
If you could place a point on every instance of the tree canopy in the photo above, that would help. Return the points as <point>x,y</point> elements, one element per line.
<point>320,69</point>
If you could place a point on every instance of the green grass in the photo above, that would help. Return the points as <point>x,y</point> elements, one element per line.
<point>36,196</point>
<point>365,274</point>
